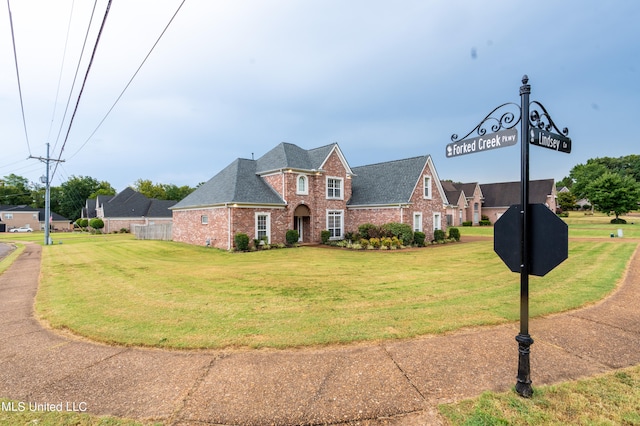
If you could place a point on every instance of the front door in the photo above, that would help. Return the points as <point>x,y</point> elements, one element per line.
<point>300,227</point>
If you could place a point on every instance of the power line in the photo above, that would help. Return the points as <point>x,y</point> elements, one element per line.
<point>84,82</point>
<point>75,76</point>
<point>130,80</point>
<point>15,58</point>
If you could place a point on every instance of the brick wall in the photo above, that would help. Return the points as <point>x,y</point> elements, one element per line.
<point>188,227</point>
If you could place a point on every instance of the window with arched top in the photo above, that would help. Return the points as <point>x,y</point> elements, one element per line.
<point>302,186</point>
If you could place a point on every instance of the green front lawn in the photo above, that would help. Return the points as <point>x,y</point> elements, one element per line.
<point>120,290</point>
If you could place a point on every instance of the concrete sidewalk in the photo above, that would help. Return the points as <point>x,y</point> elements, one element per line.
<point>390,383</point>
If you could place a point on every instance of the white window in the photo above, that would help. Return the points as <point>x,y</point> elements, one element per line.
<point>263,227</point>
<point>302,185</point>
<point>335,224</point>
<point>417,222</point>
<point>427,187</point>
<point>437,221</point>
<point>334,188</point>
<point>204,219</point>
<point>8,215</point>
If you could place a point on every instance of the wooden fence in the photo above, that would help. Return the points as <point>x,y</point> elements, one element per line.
<point>153,232</point>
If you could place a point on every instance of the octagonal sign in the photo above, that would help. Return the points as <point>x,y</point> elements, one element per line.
<point>549,239</point>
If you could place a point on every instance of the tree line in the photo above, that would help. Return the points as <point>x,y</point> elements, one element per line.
<point>70,197</point>
<point>611,185</point>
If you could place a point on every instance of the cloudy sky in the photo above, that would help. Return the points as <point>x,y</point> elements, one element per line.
<point>386,80</point>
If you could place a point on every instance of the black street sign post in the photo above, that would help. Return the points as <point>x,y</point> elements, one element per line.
<point>517,252</point>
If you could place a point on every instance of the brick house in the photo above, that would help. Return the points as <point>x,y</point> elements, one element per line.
<point>499,196</point>
<point>127,208</point>
<point>309,191</point>
<point>465,202</point>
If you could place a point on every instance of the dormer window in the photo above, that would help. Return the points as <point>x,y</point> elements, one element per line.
<point>302,185</point>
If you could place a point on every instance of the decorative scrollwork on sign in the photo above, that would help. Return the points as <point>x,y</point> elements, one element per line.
<point>505,116</point>
<point>542,120</point>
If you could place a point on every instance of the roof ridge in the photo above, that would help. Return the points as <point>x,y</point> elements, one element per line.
<point>393,161</point>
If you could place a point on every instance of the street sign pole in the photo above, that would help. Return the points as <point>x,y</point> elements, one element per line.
<point>523,385</point>
<point>518,257</point>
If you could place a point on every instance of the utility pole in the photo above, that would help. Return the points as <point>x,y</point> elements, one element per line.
<point>47,195</point>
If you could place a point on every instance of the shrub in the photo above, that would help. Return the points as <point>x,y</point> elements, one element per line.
<point>292,236</point>
<point>618,221</point>
<point>418,238</point>
<point>324,236</point>
<point>485,223</point>
<point>82,223</point>
<point>454,233</point>
<point>467,223</point>
<point>242,241</point>
<point>124,231</point>
<point>369,230</point>
<point>386,242</point>
<point>484,217</point>
<point>402,231</point>
<point>364,242</point>
<point>374,242</point>
<point>438,235</point>
<point>96,223</point>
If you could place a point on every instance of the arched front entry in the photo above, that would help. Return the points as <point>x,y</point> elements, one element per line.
<point>302,222</point>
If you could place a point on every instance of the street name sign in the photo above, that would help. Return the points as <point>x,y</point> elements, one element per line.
<point>486,142</point>
<point>550,140</point>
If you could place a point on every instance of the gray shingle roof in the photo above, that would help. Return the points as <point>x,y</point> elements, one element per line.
<point>451,190</point>
<point>505,194</point>
<point>391,182</point>
<point>287,155</point>
<point>130,203</point>
<point>236,183</point>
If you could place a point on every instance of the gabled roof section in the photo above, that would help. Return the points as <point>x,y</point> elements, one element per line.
<point>469,189</point>
<point>392,182</point>
<point>505,194</point>
<point>452,191</point>
<point>130,203</point>
<point>290,156</point>
<point>236,183</point>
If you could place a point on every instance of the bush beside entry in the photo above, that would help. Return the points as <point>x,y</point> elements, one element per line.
<point>292,237</point>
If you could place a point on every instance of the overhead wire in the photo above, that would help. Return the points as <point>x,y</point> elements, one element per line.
<point>15,58</point>
<point>84,82</point>
<point>130,81</point>
<point>64,56</point>
<point>75,76</point>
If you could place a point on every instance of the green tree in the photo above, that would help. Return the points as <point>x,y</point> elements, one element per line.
<point>583,175</point>
<point>15,190</point>
<point>150,189</point>
<point>72,195</point>
<point>566,200</point>
<point>176,193</point>
<point>614,193</point>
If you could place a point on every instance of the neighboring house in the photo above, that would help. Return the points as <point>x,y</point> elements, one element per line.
<point>466,202</point>
<point>127,208</point>
<point>499,196</point>
<point>17,216</point>
<point>308,190</point>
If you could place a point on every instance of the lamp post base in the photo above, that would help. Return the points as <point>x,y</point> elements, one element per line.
<point>523,385</point>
